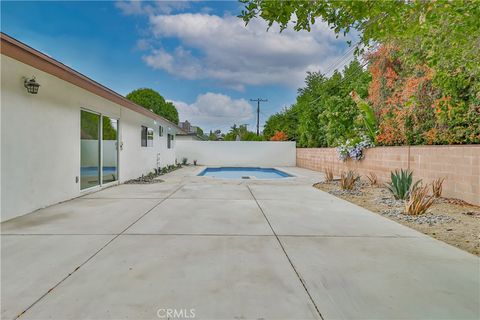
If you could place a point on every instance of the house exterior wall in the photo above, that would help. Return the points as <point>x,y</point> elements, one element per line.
<point>237,153</point>
<point>459,165</point>
<point>40,139</point>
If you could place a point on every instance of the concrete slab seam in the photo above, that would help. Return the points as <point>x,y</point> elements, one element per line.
<point>93,255</point>
<point>286,254</point>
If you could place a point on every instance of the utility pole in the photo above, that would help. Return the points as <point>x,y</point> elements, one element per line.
<point>258,100</point>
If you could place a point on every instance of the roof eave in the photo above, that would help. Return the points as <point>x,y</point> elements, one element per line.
<point>19,51</point>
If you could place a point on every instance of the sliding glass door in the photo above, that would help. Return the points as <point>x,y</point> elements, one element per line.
<point>109,149</point>
<point>99,149</point>
<point>90,149</point>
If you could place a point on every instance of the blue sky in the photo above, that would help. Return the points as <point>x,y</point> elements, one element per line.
<point>197,54</point>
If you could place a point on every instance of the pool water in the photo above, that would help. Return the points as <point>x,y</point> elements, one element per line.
<point>244,173</point>
<point>93,171</point>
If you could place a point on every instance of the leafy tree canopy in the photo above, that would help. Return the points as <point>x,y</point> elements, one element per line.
<point>324,114</point>
<point>152,100</point>
<point>444,35</point>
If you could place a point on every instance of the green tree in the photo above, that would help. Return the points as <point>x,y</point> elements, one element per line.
<point>152,100</point>
<point>443,35</point>
<point>212,136</point>
<point>324,114</point>
<point>285,121</point>
<point>242,132</point>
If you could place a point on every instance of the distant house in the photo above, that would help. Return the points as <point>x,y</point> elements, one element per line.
<point>189,132</point>
<point>64,135</point>
<point>219,135</point>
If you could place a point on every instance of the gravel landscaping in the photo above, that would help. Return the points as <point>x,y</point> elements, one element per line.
<point>450,220</point>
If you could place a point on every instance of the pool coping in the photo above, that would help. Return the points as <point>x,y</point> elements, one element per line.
<point>205,167</point>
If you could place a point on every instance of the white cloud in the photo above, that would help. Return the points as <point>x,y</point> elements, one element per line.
<point>137,7</point>
<point>235,55</point>
<point>214,110</point>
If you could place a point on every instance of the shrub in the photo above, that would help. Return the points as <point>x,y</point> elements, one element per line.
<point>347,180</point>
<point>353,148</point>
<point>419,201</point>
<point>279,136</point>
<point>194,162</point>
<point>401,184</point>
<point>328,174</point>
<point>437,186</point>
<point>372,178</point>
<point>184,161</point>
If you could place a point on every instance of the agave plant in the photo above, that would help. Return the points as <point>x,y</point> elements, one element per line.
<point>401,184</point>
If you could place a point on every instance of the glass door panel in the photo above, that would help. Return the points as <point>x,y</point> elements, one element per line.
<point>110,150</point>
<point>90,150</point>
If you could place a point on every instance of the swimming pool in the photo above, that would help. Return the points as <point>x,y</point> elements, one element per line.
<point>244,173</point>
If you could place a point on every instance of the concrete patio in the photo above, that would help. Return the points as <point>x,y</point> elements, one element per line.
<point>229,250</point>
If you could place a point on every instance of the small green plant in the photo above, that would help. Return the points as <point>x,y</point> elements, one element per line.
<point>437,186</point>
<point>184,161</point>
<point>347,180</point>
<point>401,184</point>
<point>328,172</point>
<point>419,201</point>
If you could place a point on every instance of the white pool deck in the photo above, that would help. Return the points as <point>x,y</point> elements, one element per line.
<point>242,249</point>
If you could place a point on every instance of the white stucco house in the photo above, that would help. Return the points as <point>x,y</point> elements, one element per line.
<point>72,137</point>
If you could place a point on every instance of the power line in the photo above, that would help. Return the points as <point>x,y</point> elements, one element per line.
<point>342,60</point>
<point>344,79</point>
<point>347,54</point>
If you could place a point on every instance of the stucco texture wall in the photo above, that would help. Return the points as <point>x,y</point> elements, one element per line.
<point>237,153</point>
<point>40,139</point>
<point>460,165</point>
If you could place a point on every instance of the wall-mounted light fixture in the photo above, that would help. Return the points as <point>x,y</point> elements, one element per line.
<point>32,85</point>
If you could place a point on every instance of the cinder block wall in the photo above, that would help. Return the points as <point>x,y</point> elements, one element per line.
<point>460,165</point>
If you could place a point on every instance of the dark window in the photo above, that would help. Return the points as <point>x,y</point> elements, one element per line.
<point>144,136</point>
<point>160,131</point>
<point>169,141</point>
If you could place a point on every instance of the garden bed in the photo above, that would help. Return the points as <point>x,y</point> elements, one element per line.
<point>452,221</point>
<point>153,177</point>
